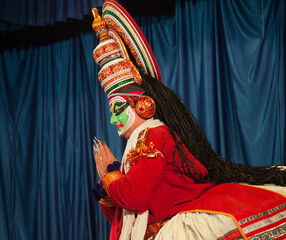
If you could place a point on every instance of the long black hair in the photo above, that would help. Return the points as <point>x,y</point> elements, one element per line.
<point>185,129</point>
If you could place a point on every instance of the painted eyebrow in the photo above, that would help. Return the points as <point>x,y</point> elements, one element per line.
<point>118,104</point>
<point>121,107</point>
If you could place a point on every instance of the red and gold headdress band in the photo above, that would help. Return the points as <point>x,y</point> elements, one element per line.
<point>115,28</point>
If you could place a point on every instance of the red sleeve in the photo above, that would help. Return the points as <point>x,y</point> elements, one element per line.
<point>136,188</point>
<point>108,212</point>
<point>134,191</point>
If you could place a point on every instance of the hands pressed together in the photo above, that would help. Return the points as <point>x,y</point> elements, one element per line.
<point>102,156</point>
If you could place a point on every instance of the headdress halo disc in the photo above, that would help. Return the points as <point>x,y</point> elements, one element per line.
<point>117,18</point>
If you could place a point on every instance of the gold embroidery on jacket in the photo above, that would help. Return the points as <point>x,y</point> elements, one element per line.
<point>141,148</point>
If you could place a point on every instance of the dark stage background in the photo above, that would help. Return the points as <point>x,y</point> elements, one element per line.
<point>225,58</point>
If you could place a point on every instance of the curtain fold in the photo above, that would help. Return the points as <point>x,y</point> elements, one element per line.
<point>225,58</point>
<point>15,14</point>
<point>48,97</point>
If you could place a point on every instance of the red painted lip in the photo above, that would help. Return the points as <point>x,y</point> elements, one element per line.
<point>119,126</point>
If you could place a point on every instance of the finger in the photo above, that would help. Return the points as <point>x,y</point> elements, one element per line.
<point>95,155</point>
<point>98,161</point>
<point>107,150</point>
<point>98,157</point>
<point>102,150</point>
<point>97,147</point>
<point>100,166</point>
<point>95,142</point>
<point>99,171</point>
<point>109,154</point>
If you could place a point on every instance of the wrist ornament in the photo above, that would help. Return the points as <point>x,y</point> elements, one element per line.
<point>109,178</point>
<point>115,166</point>
<point>106,201</point>
<point>97,191</point>
<point>100,195</point>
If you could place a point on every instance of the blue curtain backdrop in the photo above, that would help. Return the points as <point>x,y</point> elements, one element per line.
<point>15,14</point>
<point>225,58</point>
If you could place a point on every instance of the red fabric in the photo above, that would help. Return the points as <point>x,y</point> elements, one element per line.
<point>116,225</point>
<point>108,212</point>
<point>155,184</point>
<point>238,200</point>
<point>235,234</point>
<point>268,228</point>
<point>152,179</point>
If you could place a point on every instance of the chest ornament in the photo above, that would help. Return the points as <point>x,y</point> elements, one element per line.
<point>141,149</point>
<point>137,153</point>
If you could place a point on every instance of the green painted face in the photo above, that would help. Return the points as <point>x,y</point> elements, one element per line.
<point>119,115</point>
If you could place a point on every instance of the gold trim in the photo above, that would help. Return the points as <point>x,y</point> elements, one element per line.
<point>107,202</point>
<point>154,228</point>
<point>109,178</point>
<point>142,137</point>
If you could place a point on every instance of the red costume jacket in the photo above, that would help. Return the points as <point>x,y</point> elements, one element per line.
<point>155,184</point>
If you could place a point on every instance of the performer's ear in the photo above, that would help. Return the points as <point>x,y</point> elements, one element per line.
<point>132,101</point>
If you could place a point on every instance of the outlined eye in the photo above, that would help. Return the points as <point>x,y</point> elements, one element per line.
<point>121,109</point>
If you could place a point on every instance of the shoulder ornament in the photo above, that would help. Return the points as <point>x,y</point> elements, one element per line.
<point>141,149</point>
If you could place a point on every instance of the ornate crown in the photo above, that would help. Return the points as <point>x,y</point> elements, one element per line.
<point>116,29</point>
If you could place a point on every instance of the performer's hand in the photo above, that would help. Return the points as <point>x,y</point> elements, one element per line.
<point>103,157</point>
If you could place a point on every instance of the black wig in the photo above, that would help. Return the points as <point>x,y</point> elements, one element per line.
<point>185,129</point>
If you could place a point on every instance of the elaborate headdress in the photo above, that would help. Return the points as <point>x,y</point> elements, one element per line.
<point>119,35</point>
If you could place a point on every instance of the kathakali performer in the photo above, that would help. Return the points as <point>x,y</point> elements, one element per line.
<point>170,183</point>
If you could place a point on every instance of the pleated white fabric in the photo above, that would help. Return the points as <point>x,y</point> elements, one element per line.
<point>132,229</point>
<point>196,225</point>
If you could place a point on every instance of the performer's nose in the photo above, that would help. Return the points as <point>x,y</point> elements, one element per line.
<point>113,119</point>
